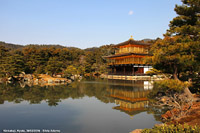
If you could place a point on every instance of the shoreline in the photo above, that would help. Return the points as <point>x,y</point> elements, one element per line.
<point>192,118</point>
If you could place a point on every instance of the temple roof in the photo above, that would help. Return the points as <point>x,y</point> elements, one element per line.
<point>131,41</point>
<point>124,54</point>
<point>130,112</point>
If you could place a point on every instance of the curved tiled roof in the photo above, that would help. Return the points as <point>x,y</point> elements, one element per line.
<point>132,42</point>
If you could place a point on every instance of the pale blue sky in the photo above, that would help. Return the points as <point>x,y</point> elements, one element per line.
<point>83,23</point>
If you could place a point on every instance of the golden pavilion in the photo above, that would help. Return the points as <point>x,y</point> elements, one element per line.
<point>129,58</point>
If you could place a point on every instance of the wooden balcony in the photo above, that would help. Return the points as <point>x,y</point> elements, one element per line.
<point>126,62</point>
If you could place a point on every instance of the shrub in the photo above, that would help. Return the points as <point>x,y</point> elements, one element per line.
<point>173,129</point>
<point>167,86</point>
<point>153,71</point>
<point>71,70</point>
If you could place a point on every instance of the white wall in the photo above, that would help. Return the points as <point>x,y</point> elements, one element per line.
<point>146,69</point>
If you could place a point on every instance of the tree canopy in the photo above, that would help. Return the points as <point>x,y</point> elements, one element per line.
<point>179,52</point>
<point>41,59</point>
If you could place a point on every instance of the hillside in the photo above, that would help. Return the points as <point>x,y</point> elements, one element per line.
<point>17,46</point>
<point>11,46</point>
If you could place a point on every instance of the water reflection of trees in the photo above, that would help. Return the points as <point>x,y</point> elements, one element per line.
<point>34,95</point>
<point>51,94</point>
<point>156,111</point>
<point>130,98</point>
<point>54,94</point>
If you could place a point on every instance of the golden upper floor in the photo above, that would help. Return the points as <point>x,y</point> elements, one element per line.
<point>129,52</point>
<point>132,46</point>
<point>132,49</point>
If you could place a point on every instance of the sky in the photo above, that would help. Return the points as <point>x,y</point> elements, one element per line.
<point>83,23</point>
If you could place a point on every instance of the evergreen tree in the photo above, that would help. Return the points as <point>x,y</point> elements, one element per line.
<point>178,53</point>
<point>3,54</point>
<point>187,23</point>
<point>14,64</point>
<point>54,65</point>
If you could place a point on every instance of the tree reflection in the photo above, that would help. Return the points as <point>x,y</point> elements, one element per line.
<point>51,94</point>
<point>130,98</point>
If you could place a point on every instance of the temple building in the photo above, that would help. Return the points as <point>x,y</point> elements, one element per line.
<point>129,58</point>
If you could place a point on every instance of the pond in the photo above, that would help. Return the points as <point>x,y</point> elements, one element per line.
<point>89,106</point>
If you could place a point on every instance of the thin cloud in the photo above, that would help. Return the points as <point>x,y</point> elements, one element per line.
<point>130,12</point>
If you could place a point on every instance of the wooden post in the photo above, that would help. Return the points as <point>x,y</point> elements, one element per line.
<point>114,70</point>
<point>133,73</point>
<point>124,70</point>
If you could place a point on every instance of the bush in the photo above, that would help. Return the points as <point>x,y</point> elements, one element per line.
<point>167,86</point>
<point>173,129</point>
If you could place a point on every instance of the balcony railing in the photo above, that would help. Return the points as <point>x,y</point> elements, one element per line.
<point>139,52</point>
<point>127,74</point>
<point>133,50</point>
<point>126,62</point>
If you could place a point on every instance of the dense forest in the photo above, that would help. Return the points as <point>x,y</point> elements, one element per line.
<point>51,59</point>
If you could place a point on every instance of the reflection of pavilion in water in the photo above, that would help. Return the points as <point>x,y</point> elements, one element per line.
<point>131,100</point>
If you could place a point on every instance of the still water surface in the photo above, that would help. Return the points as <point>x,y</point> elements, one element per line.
<point>89,106</point>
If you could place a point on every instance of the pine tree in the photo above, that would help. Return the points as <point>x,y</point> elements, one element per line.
<point>187,23</point>
<point>178,53</point>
